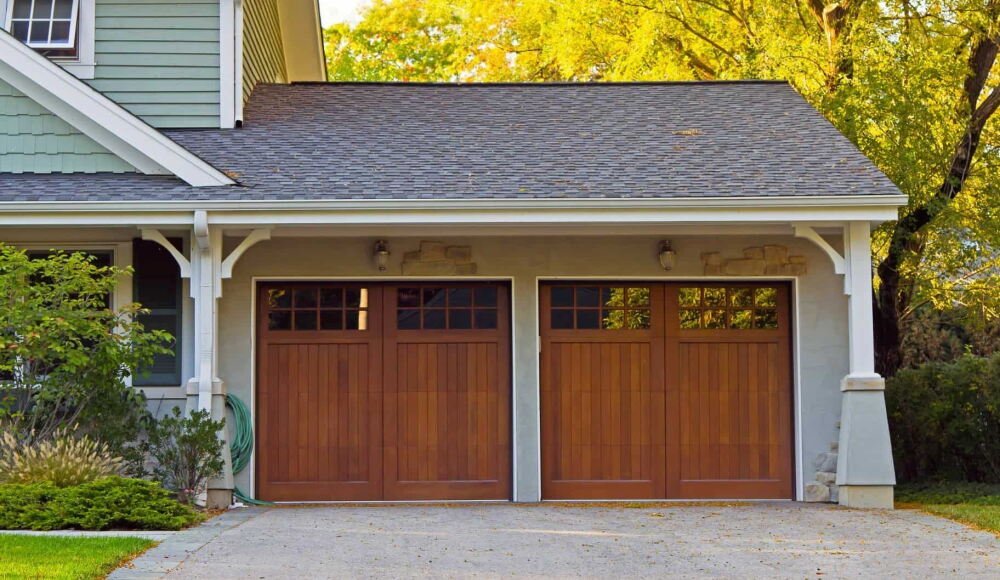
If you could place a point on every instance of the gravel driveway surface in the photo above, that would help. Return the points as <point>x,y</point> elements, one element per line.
<point>786,540</point>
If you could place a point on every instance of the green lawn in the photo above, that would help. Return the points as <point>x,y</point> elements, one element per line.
<point>65,557</point>
<point>975,504</point>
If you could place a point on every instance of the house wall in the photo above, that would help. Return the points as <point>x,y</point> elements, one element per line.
<point>821,312</point>
<point>33,140</point>
<point>263,52</point>
<point>160,60</point>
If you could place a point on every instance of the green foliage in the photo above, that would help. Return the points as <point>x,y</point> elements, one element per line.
<point>949,493</point>
<point>945,420</point>
<point>64,354</point>
<point>49,556</point>
<point>185,451</point>
<point>945,335</point>
<point>107,503</point>
<point>63,460</point>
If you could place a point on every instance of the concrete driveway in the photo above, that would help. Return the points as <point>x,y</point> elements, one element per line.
<point>750,540</point>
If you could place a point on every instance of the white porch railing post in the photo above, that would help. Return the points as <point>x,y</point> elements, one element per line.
<point>865,472</point>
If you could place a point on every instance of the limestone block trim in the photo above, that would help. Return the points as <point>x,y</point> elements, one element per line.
<point>438,259</point>
<point>862,384</point>
<point>769,260</point>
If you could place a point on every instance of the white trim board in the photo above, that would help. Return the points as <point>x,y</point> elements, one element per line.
<point>100,118</point>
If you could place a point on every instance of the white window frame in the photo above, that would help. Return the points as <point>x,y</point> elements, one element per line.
<point>83,64</point>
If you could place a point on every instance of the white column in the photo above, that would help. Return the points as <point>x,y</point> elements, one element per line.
<point>865,471</point>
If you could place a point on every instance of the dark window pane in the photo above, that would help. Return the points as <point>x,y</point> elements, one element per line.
<point>638,319</point>
<point>588,296</point>
<point>434,297</point>
<point>766,319</point>
<point>39,31</point>
<point>562,296</point>
<point>331,319</point>
<point>156,292</point>
<point>408,297</point>
<point>279,298</point>
<point>459,297</point>
<point>690,297</point>
<point>715,296</point>
<point>741,319</point>
<point>20,30</point>
<point>279,320</point>
<point>408,319</point>
<point>43,9</point>
<point>305,320</point>
<point>486,296</point>
<point>356,319</point>
<point>60,32</point>
<point>22,9</point>
<point>331,297</point>
<point>64,9</point>
<point>460,319</point>
<point>486,318</point>
<point>588,319</point>
<point>434,319</point>
<point>356,297</point>
<point>741,297</point>
<point>714,318</point>
<point>690,319</point>
<point>304,298</point>
<point>766,297</point>
<point>562,318</point>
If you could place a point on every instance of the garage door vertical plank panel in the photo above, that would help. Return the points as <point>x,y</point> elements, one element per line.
<point>587,442</point>
<point>573,393</point>
<point>410,411</point>
<point>566,470</point>
<point>638,469</point>
<point>744,411</point>
<point>753,389</point>
<point>724,411</point>
<point>485,384</point>
<point>615,412</point>
<point>704,414</point>
<point>420,409</point>
<point>280,444</point>
<point>344,414</point>
<point>312,446</point>
<point>323,414</point>
<point>765,415</point>
<point>364,413</point>
<point>713,415</point>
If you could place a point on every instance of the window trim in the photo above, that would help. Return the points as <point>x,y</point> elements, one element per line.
<point>82,65</point>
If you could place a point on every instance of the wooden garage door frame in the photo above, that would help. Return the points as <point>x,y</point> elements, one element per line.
<point>492,348</point>
<point>665,336</point>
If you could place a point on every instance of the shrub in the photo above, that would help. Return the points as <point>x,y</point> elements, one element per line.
<point>945,420</point>
<point>186,452</point>
<point>63,460</point>
<point>104,504</point>
<point>64,354</point>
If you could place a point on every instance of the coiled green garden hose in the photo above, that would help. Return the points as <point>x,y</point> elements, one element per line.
<point>241,444</point>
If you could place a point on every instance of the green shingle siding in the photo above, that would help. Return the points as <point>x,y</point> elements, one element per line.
<point>33,140</point>
<point>263,53</point>
<point>160,60</point>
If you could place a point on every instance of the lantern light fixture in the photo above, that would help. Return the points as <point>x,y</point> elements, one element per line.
<point>666,255</point>
<point>381,255</point>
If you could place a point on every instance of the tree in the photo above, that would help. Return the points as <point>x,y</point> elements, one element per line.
<point>65,353</point>
<point>913,85</point>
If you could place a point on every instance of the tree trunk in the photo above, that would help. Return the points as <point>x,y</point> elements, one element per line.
<point>891,299</point>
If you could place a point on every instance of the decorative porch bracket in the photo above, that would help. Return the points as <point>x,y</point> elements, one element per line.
<point>839,262</point>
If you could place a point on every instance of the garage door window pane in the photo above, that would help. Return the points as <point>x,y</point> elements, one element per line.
<point>587,319</point>
<point>562,318</point>
<point>486,319</point>
<point>305,320</point>
<point>470,307</point>
<point>434,319</point>
<point>408,319</point>
<point>279,320</point>
<point>588,296</point>
<point>460,319</point>
<point>562,296</point>
<point>732,308</point>
<point>331,320</point>
<point>690,297</point>
<point>600,308</point>
<point>314,307</point>
<point>305,298</point>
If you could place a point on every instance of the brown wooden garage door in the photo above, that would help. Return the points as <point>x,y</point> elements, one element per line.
<point>666,391</point>
<point>379,392</point>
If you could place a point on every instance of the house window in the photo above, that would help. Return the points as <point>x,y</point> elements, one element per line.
<point>156,285</point>
<point>45,24</point>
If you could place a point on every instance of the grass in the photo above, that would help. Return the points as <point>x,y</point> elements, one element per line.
<point>975,504</point>
<point>23,556</point>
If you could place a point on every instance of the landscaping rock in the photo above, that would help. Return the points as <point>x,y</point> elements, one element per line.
<point>826,477</point>
<point>817,492</point>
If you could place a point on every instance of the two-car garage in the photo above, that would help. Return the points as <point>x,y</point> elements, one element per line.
<point>403,391</point>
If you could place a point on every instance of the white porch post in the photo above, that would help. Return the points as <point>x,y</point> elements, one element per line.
<point>865,473</point>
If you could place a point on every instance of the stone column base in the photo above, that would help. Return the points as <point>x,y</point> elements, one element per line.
<point>867,496</point>
<point>219,499</point>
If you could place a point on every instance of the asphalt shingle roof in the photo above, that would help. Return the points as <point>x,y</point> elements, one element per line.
<point>427,141</point>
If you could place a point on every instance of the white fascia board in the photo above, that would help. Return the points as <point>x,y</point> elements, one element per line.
<point>769,210</point>
<point>100,118</point>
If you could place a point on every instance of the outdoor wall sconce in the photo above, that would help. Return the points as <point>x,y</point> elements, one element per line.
<point>666,255</point>
<point>381,255</point>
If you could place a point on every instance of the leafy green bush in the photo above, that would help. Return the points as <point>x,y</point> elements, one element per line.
<point>65,354</point>
<point>185,451</point>
<point>63,460</point>
<point>104,504</point>
<point>945,420</point>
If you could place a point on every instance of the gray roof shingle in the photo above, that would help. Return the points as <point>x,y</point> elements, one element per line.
<point>431,141</point>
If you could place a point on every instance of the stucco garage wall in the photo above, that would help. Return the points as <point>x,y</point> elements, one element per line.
<point>821,313</point>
